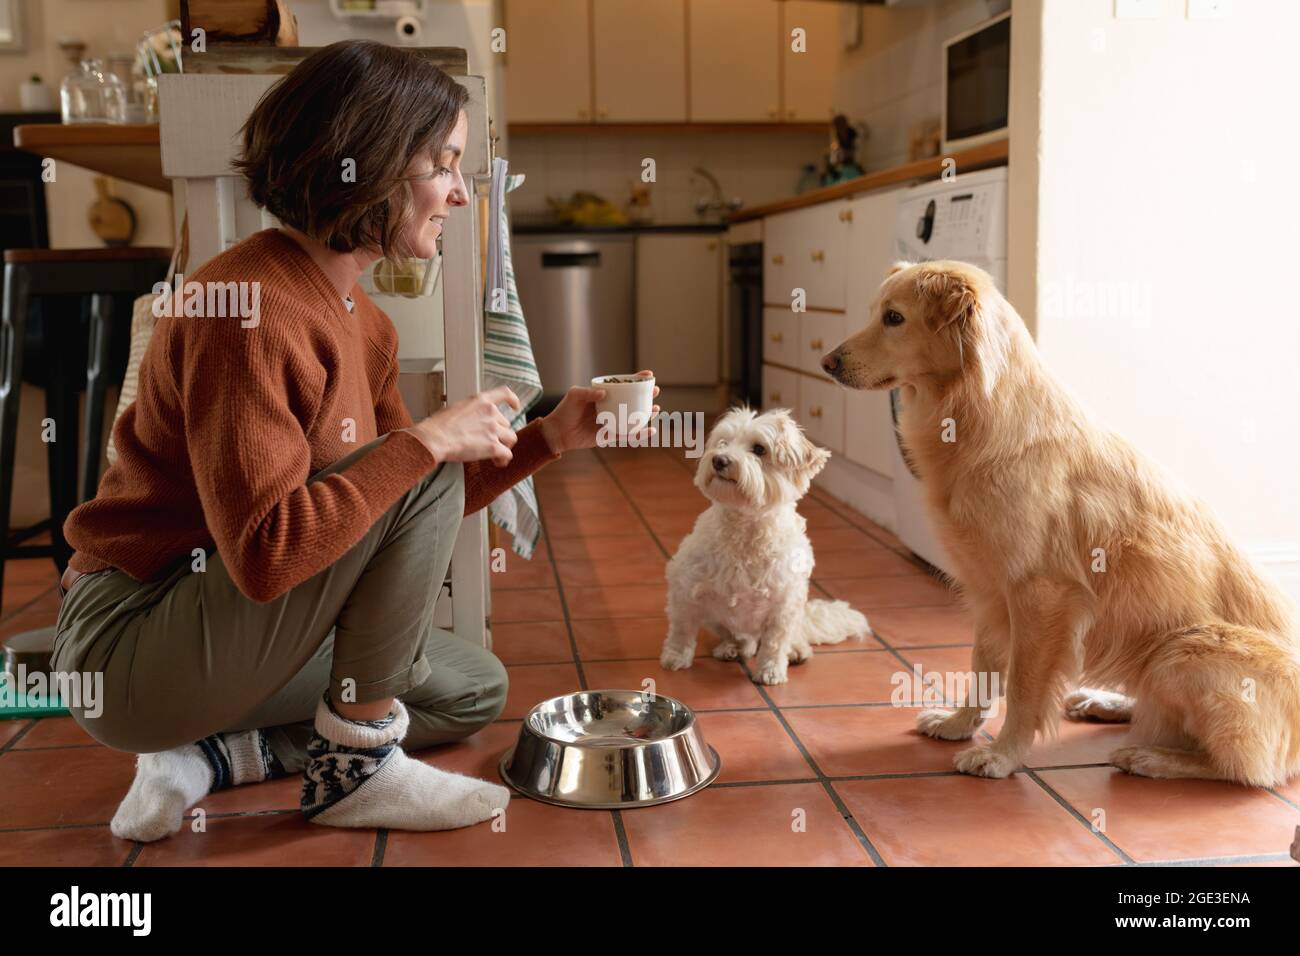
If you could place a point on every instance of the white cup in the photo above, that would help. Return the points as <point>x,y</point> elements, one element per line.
<point>629,398</point>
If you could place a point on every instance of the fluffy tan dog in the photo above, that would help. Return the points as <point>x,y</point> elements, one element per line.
<point>1081,562</point>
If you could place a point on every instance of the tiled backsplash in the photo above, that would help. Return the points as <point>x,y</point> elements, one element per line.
<point>755,167</point>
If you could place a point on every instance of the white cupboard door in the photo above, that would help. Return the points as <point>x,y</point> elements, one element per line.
<point>735,61</point>
<point>780,243</point>
<point>869,430</point>
<point>819,332</point>
<point>810,75</point>
<point>548,61</point>
<point>640,60</point>
<point>780,337</point>
<point>679,306</point>
<point>821,412</point>
<point>780,389</point>
<point>821,256</point>
<point>870,250</point>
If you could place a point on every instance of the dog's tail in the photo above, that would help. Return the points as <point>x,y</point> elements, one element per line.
<point>829,622</point>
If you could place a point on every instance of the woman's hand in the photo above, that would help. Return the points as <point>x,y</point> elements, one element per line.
<point>471,430</point>
<point>572,423</point>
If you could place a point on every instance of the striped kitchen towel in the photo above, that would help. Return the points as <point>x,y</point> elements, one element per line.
<point>508,358</point>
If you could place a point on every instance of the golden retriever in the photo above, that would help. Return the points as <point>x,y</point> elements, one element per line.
<point>1080,561</point>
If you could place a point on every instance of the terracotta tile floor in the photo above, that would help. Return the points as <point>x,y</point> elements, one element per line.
<point>820,771</point>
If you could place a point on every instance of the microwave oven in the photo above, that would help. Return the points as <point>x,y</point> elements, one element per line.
<point>976,84</point>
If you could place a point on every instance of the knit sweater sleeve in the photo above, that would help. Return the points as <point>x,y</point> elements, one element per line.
<point>485,480</point>
<point>242,393</point>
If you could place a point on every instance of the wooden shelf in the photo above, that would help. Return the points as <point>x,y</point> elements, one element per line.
<point>821,126</point>
<point>990,154</point>
<point>128,152</point>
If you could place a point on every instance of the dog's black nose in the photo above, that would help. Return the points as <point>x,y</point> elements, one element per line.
<point>831,362</point>
<point>720,462</point>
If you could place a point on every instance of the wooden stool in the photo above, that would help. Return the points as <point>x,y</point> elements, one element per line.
<point>30,274</point>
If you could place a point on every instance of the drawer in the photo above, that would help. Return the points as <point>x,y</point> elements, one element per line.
<point>780,389</point>
<point>819,332</point>
<point>822,257</point>
<point>780,238</point>
<point>780,336</point>
<point>869,430</point>
<point>821,412</point>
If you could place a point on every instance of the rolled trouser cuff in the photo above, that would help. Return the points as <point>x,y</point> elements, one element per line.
<point>393,686</point>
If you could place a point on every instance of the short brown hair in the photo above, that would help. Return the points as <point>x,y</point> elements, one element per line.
<point>354,100</point>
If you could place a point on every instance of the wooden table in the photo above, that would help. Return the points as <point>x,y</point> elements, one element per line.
<point>129,152</point>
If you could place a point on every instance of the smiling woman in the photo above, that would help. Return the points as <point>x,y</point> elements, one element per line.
<point>257,575</point>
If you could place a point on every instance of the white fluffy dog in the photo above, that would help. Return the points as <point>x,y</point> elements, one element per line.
<point>743,571</point>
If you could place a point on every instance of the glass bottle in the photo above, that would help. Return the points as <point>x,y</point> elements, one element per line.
<point>90,94</point>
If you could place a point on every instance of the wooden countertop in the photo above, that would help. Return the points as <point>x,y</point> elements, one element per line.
<point>128,151</point>
<point>978,157</point>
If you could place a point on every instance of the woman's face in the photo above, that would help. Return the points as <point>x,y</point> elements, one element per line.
<point>436,186</point>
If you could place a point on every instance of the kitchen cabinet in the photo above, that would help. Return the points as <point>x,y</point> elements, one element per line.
<point>548,61</point>
<point>809,87</point>
<point>805,249</point>
<point>819,332</point>
<point>780,336</point>
<point>640,60</point>
<point>735,57</point>
<point>821,411</point>
<point>780,389</point>
<point>679,306</point>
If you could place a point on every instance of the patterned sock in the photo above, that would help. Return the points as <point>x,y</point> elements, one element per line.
<point>238,758</point>
<point>335,769</point>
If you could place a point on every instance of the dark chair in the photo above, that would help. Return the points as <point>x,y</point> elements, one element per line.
<point>39,281</point>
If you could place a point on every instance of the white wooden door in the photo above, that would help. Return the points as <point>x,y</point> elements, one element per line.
<point>548,61</point>
<point>735,60</point>
<point>640,60</point>
<point>679,306</point>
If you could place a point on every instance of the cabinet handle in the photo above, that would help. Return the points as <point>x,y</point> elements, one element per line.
<point>602,113</point>
<point>582,113</point>
<point>711,246</point>
<point>815,411</point>
<point>846,215</point>
<point>774,397</point>
<point>818,255</point>
<point>773,113</point>
<point>778,337</point>
<point>778,260</point>
<point>815,345</point>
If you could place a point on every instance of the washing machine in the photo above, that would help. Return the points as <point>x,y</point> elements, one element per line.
<point>963,219</point>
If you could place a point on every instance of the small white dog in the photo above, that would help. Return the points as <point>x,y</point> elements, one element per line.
<point>743,570</point>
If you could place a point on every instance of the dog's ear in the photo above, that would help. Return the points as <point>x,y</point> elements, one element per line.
<point>958,308</point>
<point>899,266</point>
<point>814,459</point>
<point>951,296</point>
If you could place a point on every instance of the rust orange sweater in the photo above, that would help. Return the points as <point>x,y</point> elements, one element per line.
<point>229,422</point>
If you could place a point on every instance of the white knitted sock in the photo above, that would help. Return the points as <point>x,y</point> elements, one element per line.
<point>167,784</point>
<point>384,787</point>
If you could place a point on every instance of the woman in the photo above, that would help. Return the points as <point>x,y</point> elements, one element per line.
<point>256,577</point>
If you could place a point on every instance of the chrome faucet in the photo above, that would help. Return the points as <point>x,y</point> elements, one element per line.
<point>715,203</point>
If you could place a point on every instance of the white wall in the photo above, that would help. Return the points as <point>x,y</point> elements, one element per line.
<point>894,78</point>
<point>1153,241</point>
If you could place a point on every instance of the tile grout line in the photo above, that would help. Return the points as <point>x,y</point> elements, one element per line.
<point>9,744</point>
<point>620,833</point>
<point>6,618</point>
<point>1070,809</point>
<point>380,848</point>
<point>854,827</point>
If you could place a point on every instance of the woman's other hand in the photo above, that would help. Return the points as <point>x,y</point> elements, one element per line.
<point>572,423</point>
<point>471,429</point>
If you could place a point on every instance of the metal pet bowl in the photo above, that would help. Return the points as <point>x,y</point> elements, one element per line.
<point>610,750</point>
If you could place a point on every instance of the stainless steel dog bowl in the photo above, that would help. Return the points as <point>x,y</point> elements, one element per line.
<point>611,750</point>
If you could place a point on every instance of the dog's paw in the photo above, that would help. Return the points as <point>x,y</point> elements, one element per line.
<point>1141,761</point>
<point>945,725</point>
<point>772,673</point>
<point>800,653</point>
<point>1086,703</point>
<point>984,761</point>
<point>676,658</point>
<point>727,651</point>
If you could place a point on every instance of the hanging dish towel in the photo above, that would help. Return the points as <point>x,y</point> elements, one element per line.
<point>508,359</point>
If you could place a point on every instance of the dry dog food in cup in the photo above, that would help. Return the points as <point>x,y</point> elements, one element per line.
<point>629,398</point>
